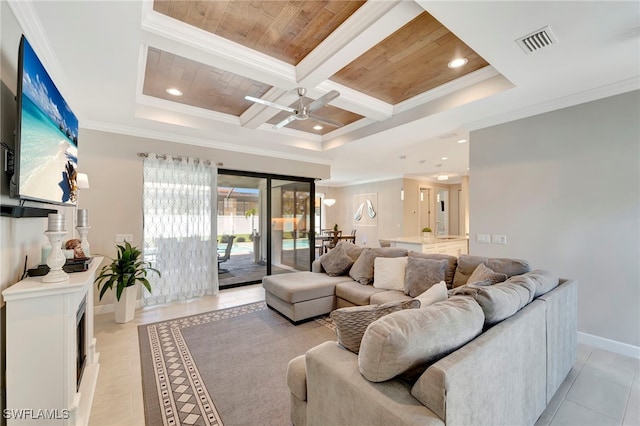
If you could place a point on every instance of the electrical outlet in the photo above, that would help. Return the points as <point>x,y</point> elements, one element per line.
<point>499,239</point>
<point>483,238</point>
<point>121,238</point>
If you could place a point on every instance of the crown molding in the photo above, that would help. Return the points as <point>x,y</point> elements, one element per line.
<point>601,92</point>
<point>205,143</point>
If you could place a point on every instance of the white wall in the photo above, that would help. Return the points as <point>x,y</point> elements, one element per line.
<point>564,187</point>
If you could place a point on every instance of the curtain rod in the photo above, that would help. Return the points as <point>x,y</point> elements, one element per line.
<point>179,158</point>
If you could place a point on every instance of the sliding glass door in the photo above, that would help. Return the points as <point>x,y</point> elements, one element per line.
<point>291,225</point>
<point>265,225</point>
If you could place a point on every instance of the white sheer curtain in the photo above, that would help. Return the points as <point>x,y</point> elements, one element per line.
<point>180,227</point>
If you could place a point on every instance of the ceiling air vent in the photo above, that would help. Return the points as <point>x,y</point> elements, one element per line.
<point>537,40</point>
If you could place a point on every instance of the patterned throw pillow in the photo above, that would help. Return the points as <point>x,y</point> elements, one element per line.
<point>336,262</point>
<point>484,273</point>
<point>352,322</point>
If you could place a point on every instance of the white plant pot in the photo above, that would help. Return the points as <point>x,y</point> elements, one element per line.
<point>126,306</point>
<point>426,235</point>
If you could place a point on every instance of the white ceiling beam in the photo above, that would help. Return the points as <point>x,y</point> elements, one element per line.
<point>370,24</point>
<point>165,33</point>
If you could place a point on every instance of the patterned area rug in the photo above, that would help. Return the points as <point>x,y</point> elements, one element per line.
<point>225,367</point>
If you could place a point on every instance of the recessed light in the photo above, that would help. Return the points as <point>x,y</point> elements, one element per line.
<point>317,127</point>
<point>402,157</point>
<point>422,161</point>
<point>445,158</point>
<point>173,91</point>
<point>462,141</point>
<point>443,177</point>
<point>457,63</point>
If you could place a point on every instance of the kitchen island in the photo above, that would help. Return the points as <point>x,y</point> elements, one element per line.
<point>454,245</point>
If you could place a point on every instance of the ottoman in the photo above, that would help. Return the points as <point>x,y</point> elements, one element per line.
<point>301,295</point>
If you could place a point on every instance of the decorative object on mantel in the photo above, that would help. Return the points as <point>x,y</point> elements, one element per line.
<point>83,230</point>
<point>76,246</point>
<point>125,271</point>
<point>56,259</point>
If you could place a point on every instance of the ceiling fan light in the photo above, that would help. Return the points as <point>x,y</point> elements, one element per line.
<point>457,63</point>
<point>329,202</point>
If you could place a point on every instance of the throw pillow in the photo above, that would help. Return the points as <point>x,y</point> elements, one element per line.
<point>422,274</point>
<point>467,264</point>
<point>362,269</point>
<point>352,250</point>
<point>451,270</point>
<point>352,322</point>
<point>336,262</point>
<point>436,293</point>
<point>484,273</point>
<point>409,340</point>
<point>388,273</point>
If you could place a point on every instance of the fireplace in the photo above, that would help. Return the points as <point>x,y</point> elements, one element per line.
<point>81,336</point>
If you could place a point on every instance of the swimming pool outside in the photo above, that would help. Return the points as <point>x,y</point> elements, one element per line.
<point>247,247</point>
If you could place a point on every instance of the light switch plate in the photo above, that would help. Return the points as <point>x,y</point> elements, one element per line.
<point>121,238</point>
<point>499,239</point>
<point>483,238</point>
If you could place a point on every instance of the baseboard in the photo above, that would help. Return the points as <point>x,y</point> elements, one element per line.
<point>105,309</point>
<point>609,345</point>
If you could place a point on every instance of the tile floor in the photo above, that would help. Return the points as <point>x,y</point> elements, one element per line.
<point>602,388</point>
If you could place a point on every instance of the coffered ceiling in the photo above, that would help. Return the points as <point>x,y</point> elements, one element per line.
<point>409,61</point>
<point>401,109</point>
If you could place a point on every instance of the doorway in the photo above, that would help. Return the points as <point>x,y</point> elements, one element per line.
<point>265,223</point>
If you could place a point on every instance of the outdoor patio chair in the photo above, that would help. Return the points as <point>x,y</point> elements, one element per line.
<point>227,254</point>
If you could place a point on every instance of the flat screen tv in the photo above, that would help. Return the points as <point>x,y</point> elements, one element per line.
<point>46,136</point>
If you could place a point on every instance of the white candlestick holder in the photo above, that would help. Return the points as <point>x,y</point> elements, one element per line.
<point>56,259</point>
<point>83,231</point>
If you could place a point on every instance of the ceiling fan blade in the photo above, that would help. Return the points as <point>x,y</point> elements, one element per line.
<point>323,100</point>
<point>326,120</point>
<point>270,104</point>
<point>284,122</point>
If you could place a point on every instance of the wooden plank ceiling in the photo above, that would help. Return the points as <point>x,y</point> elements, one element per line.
<point>407,63</point>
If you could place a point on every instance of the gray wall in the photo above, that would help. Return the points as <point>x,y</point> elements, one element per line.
<point>564,187</point>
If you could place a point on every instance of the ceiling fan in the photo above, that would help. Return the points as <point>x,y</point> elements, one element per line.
<point>302,111</point>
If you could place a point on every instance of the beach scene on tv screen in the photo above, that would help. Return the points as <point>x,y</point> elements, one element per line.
<point>48,137</point>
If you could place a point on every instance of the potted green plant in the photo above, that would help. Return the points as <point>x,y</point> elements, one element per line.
<point>426,232</point>
<point>124,272</point>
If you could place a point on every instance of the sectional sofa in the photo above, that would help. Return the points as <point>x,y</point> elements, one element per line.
<point>492,351</point>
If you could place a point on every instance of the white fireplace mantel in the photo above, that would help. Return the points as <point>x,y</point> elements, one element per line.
<point>41,374</point>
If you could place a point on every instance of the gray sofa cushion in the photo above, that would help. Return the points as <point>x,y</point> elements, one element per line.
<point>467,264</point>
<point>545,281</point>
<point>387,296</point>
<point>356,293</point>
<point>352,322</point>
<point>362,269</point>
<point>451,270</point>
<point>407,340</point>
<point>483,273</point>
<point>336,262</point>
<point>421,274</point>
<point>502,300</point>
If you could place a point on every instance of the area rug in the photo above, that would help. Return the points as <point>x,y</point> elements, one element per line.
<point>225,367</point>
